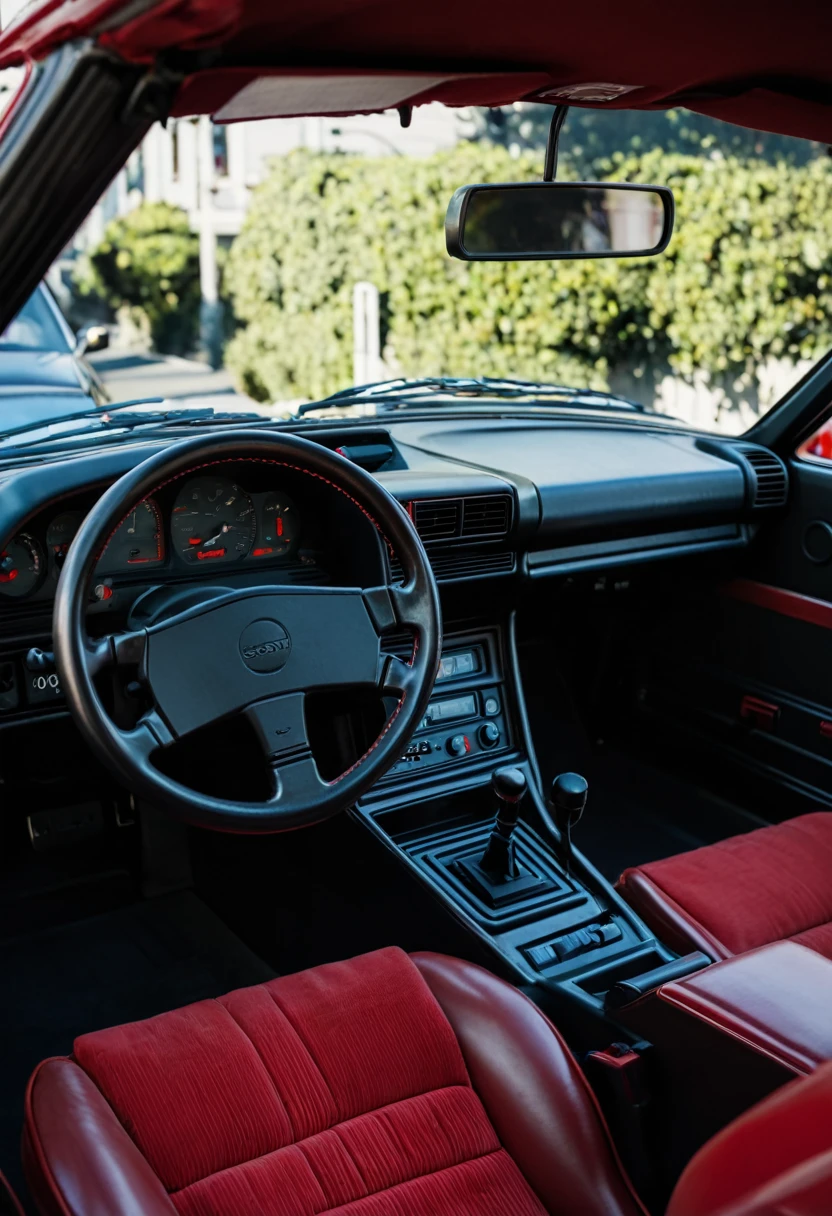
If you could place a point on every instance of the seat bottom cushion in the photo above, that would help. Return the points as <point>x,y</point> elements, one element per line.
<point>768,885</point>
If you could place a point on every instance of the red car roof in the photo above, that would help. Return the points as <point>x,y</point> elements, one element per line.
<point>763,65</point>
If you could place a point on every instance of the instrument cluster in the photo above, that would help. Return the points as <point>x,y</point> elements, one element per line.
<point>210,521</point>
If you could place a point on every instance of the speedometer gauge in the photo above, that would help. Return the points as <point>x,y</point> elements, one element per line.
<point>21,566</point>
<point>138,539</point>
<point>213,521</point>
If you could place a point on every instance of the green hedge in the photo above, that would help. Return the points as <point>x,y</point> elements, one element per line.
<point>148,262</point>
<point>747,276</point>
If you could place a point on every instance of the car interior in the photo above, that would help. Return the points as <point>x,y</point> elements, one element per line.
<point>428,811</point>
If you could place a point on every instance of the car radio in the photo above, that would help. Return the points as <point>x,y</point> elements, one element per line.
<point>466,714</point>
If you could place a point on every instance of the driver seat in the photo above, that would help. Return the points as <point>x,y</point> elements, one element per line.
<point>384,1086</point>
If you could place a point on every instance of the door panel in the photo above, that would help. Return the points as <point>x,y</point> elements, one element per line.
<point>745,663</point>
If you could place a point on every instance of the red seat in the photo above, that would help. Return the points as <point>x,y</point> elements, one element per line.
<point>383,1086</point>
<point>741,893</point>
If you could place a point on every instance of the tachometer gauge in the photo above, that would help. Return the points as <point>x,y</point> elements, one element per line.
<point>21,566</point>
<point>213,521</point>
<point>279,527</point>
<point>137,540</point>
<point>59,536</point>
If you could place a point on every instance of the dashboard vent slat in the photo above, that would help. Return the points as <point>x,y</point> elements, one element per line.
<point>438,519</point>
<point>770,472</point>
<point>455,565</point>
<point>448,566</point>
<point>486,515</point>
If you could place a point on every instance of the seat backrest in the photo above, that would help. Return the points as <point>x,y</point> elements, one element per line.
<point>774,1160</point>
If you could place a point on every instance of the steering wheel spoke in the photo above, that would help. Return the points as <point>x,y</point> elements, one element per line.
<point>296,784</point>
<point>397,678</point>
<point>125,649</point>
<point>149,735</point>
<point>280,726</point>
<point>413,606</point>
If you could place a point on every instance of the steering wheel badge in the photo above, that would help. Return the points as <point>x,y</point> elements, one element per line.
<point>265,646</point>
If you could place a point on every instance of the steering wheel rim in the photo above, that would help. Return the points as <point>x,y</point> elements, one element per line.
<point>264,666</point>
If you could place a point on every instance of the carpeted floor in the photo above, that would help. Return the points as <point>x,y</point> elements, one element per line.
<point>118,967</point>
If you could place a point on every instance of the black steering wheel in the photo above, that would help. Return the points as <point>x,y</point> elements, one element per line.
<point>256,651</point>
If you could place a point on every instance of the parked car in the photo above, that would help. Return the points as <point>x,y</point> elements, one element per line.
<point>44,371</point>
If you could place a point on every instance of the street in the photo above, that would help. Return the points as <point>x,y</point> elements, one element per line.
<point>130,375</point>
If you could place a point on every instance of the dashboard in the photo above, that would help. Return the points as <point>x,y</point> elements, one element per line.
<point>492,499</point>
<point>210,521</point>
<point>497,503</point>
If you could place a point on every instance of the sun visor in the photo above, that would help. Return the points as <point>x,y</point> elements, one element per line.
<point>334,93</point>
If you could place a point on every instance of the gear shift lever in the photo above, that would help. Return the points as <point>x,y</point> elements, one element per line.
<point>496,877</point>
<point>509,784</point>
<point>569,792</point>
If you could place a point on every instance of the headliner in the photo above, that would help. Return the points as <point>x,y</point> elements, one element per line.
<point>758,64</point>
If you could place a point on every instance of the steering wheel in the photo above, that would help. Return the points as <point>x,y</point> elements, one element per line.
<point>256,651</point>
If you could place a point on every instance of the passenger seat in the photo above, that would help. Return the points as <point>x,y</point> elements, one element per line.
<point>765,886</point>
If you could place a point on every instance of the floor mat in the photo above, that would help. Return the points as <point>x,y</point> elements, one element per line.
<point>128,964</point>
<point>636,813</point>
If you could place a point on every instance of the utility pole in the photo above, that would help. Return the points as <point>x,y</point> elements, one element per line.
<point>210,312</point>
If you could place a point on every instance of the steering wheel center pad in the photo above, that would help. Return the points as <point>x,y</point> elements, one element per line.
<point>227,655</point>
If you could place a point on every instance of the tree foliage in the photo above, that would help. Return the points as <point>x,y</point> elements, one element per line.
<point>148,262</point>
<point>747,276</point>
<point>590,134</point>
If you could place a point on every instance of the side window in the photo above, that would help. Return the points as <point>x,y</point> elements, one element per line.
<point>819,446</point>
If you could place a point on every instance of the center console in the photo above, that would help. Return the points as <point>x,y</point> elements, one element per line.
<point>505,868</point>
<point>466,717</point>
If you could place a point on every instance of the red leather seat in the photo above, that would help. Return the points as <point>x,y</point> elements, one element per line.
<point>383,1086</point>
<point>748,891</point>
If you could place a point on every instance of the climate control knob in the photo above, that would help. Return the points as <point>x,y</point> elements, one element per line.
<point>458,745</point>
<point>489,734</point>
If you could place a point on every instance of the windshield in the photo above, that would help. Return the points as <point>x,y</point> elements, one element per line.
<point>267,265</point>
<point>35,328</point>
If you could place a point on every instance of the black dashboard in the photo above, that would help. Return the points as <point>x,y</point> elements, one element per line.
<point>492,497</point>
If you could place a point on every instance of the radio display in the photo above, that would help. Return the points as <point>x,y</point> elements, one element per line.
<point>461,663</point>
<point>455,707</point>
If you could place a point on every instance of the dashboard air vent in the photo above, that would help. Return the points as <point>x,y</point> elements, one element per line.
<point>449,566</point>
<point>770,472</point>
<point>438,519</point>
<point>477,517</point>
<point>486,515</point>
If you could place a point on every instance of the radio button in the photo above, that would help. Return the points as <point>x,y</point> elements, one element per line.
<point>489,734</point>
<point>458,745</point>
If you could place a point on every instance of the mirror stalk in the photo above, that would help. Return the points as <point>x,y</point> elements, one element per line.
<point>550,166</point>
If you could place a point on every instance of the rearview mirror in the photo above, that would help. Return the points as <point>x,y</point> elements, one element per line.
<point>538,221</point>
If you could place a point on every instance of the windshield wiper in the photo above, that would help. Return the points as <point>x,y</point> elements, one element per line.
<point>116,418</point>
<point>407,394</point>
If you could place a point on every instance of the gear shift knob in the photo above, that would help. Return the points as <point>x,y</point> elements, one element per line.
<point>569,792</point>
<point>509,784</point>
